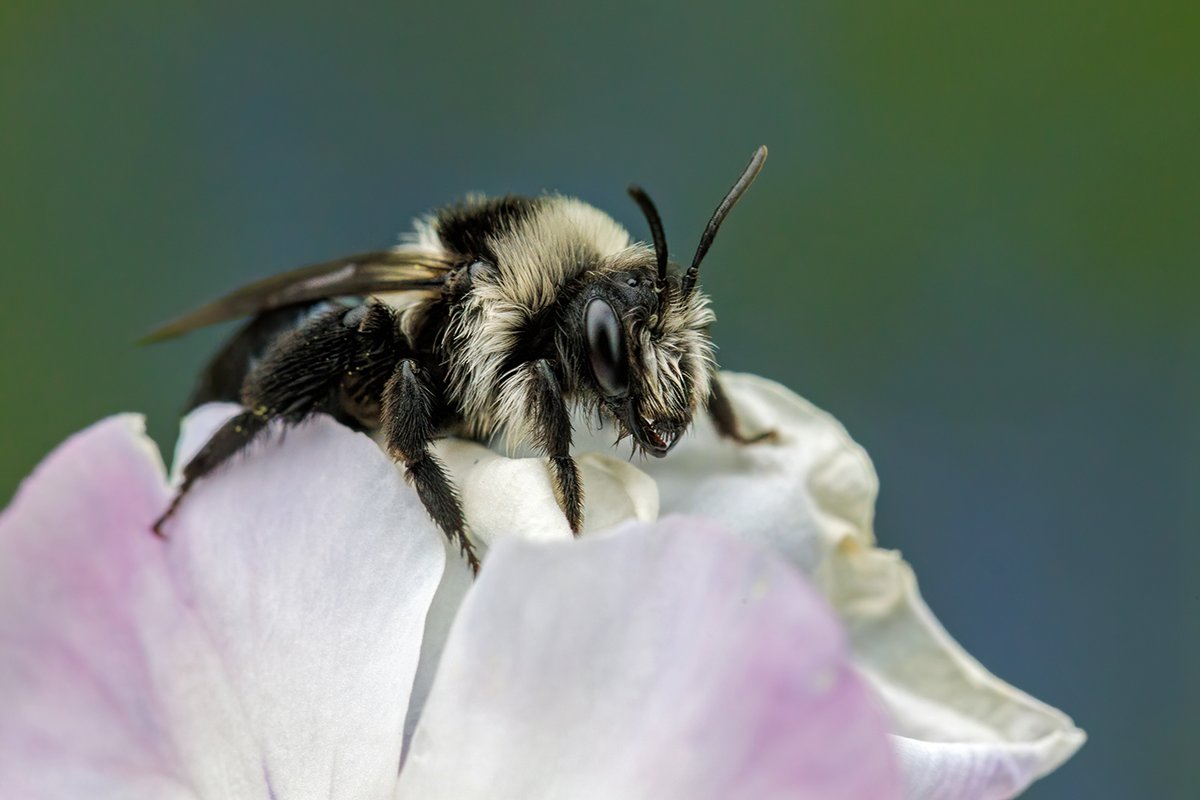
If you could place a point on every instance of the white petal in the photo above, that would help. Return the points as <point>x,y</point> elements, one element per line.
<point>312,568</point>
<point>513,497</point>
<point>800,496</point>
<point>267,649</point>
<point>962,732</point>
<point>660,662</point>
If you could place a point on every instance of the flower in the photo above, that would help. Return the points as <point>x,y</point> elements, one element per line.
<point>269,648</point>
<point>960,732</point>
<point>304,617</point>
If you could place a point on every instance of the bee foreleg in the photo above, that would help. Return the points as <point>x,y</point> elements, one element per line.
<point>725,418</point>
<point>411,408</point>
<point>550,424</point>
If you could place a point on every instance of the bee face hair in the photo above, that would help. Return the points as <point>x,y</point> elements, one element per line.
<point>493,316</point>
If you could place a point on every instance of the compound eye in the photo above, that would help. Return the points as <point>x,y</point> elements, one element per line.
<point>606,348</point>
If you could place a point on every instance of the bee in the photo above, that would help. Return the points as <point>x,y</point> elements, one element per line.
<point>498,315</point>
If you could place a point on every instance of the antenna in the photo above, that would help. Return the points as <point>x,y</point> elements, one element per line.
<point>714,223</point>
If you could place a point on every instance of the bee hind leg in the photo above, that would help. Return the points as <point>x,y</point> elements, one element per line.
<point>230,439</point>
<point>298,376</point>
<point>412,407</point>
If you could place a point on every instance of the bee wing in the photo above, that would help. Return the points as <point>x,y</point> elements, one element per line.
<point>397,270</point>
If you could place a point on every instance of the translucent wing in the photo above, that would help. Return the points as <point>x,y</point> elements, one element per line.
<point>398,270</point>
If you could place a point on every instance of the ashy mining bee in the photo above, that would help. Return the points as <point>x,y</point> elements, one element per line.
<point>494,315</point>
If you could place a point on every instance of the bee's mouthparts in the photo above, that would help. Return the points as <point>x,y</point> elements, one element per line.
<point>660,436</point>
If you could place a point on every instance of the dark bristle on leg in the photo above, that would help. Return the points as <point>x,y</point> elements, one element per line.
<point>411,408</point>
<point>726,422</point>
<point>551,423</point>
<point>428,477</point>
<point>230,438</point>
<point>299,374</point>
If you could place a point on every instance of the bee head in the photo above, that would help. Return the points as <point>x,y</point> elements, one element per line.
<point>649,357</point>
<point>645,329</point>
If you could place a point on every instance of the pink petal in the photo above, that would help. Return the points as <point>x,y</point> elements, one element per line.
<point>666,661</point>
<point>78,719</point>
<point>268,646</point>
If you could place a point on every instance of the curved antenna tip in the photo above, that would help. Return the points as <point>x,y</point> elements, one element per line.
<point>755,164</point>
<point>714,223</point>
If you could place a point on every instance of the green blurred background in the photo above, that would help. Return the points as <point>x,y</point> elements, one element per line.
<point>975,242</point>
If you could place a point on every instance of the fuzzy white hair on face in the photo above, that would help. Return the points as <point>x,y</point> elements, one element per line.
<point>677,357</point>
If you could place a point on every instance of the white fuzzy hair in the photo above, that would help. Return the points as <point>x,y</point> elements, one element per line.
<point>534,261</point>
<point>555,244</point>
<point>667,344</point>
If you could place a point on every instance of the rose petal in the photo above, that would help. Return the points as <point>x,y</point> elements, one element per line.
<point>658,662</point>
<point>961,732</point>
<point>267,648</point>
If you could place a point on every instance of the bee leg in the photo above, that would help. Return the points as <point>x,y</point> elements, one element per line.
<point>550,422</point>
<point>230,439</point>
<point>411,407</point>
<point>725,418</point>
<point>296,378</point>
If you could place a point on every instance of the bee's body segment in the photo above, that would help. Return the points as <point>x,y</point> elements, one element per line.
<point>495,316</point>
